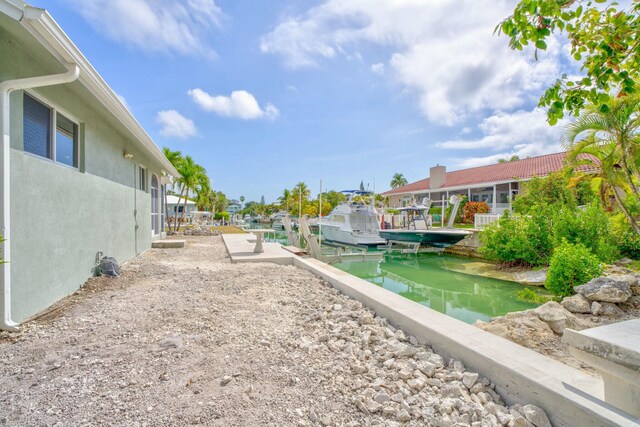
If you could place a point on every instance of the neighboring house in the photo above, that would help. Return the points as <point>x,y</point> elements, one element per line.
<point>174,208</point>
<point>496,184</point>
<point>234,207</point>
<point>79,176</point>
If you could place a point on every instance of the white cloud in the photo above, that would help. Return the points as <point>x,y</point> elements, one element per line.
<point>378,68</point>
<point>167,26</point>
<point>175,125</point>
<point>240,104</point>
<point>443,52</point>
<point>523,133</point>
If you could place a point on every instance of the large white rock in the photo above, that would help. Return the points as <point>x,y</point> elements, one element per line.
<point>558,318</point>
<point>607,289</point>
<point>577,304</point>
<point>606,309</point>
<point>536,416</point>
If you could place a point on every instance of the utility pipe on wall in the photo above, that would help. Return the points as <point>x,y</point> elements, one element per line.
<point>6,88</point>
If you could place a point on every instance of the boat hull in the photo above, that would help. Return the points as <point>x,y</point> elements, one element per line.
<point>436,238</point>
<point>337,235</point>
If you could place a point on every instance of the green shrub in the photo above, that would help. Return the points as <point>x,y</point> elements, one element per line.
<point>552,190</point>
<point>590,227</point>
<point>571,265</point>
<point>221,215</point>
<point>529,295</point>
<point>518,240</point>
<point>630,244</point>
<point>471,209</point>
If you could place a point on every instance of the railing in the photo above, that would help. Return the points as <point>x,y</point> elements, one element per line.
<point>482,220</point>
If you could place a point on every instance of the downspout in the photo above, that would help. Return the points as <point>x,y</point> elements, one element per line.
<point>6,88</point>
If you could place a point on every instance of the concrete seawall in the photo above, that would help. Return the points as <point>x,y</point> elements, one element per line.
<point>569,396</point>
<point>466,247</point>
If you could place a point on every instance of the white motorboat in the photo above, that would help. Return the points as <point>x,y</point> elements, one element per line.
<point>276,220</point>
<point>352,222</point>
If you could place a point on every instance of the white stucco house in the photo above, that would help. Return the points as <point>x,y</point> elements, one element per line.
<point>79,175</point>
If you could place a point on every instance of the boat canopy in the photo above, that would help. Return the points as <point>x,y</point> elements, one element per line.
<point>357,192</point>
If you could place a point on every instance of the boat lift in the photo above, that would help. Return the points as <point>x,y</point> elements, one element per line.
<point>404,247</point>
<point>315,251</point>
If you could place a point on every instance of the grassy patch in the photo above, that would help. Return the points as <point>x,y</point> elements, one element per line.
<point>228,229</point>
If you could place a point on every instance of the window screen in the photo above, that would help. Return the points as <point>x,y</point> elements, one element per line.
<point>37,128</point>
<point>66,141</point>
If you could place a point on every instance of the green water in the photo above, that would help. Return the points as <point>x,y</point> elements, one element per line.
<point>431,281</point>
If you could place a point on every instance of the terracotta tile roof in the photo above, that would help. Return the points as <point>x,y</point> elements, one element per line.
<point>516,170</point>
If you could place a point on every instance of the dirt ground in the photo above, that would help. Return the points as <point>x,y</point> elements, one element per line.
<point>185,337</point>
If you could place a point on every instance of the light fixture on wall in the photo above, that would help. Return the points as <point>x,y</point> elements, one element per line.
<point>127,155</point>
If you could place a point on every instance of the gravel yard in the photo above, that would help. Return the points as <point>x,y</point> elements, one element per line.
<point>186,337</point>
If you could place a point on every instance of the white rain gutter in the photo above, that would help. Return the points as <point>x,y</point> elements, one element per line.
<point>6,88</point>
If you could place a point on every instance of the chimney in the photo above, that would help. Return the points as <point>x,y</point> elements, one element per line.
<point>437,177</point>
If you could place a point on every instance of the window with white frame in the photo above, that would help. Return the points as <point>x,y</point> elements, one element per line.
<point>48,133</point>
<point>142,178</point>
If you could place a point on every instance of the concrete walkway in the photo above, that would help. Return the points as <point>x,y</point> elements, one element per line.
<point>240,248</point>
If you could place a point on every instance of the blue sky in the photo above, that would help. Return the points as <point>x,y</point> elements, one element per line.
<point>265,94</point>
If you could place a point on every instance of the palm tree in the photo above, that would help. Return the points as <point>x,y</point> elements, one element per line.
<point>219,201</point>
<point>398,180</point>
<point>300,194</point>
<point>619,125</point>
<point>193,177</point>
<point>285,199</point>
<point>510,159</point>
<point>175,158</point>
<point>204,198</point>
<point>611,137</point>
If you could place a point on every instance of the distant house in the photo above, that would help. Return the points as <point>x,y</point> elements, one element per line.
<point>175,209</point>
<point>234,207</point>
<point>79,175</point>
<point>496,184</point>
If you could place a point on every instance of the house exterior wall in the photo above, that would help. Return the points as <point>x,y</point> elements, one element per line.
<point>172,209</point>
<point>61,216</point>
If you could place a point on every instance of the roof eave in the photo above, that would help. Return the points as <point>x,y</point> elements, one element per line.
<point>39,23</point>
<point>460,187</point>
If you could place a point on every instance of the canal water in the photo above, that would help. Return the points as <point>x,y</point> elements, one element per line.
<point>432,280</point>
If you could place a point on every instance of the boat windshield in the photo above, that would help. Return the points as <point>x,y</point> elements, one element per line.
<point>364,222</point>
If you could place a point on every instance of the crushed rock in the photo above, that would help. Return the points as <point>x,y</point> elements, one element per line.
<point>184,337</point>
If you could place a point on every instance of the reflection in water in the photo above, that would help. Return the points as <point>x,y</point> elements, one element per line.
<point>430,281</point>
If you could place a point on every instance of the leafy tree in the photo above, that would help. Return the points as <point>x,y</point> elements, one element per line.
<point>398,180</point>
<point>361,185</point>
<point>262,200</point>
<point>552,190</point>
<point>604,42</point>
<point>334,198</point>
